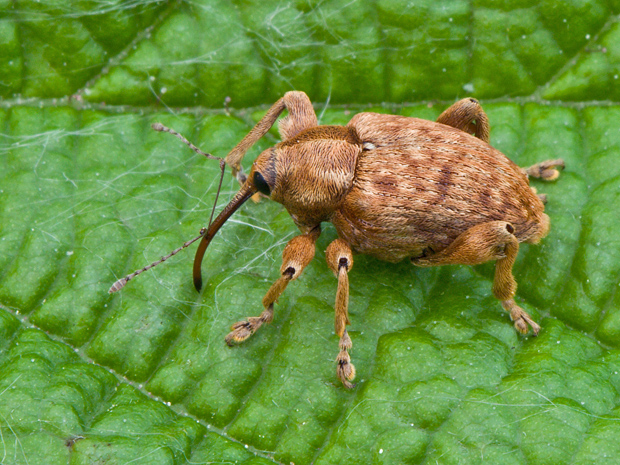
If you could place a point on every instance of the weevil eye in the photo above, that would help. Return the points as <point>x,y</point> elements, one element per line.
<point>261,184</point>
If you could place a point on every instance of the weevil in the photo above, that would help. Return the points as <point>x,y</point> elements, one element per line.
<point>395,188</point>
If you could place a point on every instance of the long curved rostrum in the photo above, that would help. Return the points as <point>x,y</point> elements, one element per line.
<point>246,191</point>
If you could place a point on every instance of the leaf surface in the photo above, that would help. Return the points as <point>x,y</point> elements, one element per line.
<point>88,193</point>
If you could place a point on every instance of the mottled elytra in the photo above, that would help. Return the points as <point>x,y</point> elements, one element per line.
<point>394,187</point>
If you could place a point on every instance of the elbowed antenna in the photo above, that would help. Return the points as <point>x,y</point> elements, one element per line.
<point>119,284</point>
<point>246,191</point>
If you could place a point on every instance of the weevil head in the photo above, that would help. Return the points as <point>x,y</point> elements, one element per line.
<point>310,173</point>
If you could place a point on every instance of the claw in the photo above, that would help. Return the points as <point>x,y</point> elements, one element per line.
<point>532,323</point>
<point>346,370</point>
<point>546,170</point>
<point>520,317</point>
<point>241,331</point>
<point>521,326</point>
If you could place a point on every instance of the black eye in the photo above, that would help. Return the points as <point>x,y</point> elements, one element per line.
<point>261,184</point>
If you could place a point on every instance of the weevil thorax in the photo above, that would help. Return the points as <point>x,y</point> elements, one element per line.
<point>310,173</point>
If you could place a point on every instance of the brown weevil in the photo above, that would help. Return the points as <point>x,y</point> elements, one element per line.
<point>394,187</point>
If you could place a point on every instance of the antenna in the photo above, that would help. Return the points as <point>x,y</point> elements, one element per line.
<point>118,285</point>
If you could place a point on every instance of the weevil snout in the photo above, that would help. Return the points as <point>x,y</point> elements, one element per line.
<point>246,191</point>
<point>261,179</point>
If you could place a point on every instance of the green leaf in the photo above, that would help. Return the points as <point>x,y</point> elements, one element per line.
<point>88,193</point>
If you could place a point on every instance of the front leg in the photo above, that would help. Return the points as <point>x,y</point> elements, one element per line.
<point>340,260</point>
<point>297,254</point>
<point>494,240</point>
<point>301,117</point>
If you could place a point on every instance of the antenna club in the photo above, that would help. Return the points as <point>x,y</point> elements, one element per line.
<point>158,127</point>
<point>118,285</point>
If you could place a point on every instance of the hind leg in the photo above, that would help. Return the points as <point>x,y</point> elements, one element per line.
<point>494,240</point>
<point>467,115</point>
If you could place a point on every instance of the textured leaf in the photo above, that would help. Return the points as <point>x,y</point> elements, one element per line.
<point>88,193</point>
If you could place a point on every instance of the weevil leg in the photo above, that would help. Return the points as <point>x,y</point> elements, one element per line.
<point>297,254</point>
<point>494,240</point>
<point>545,170</point>
<point>301,116</point>
<point>542,197</point>
<point>467,115</point>
<point>340,260</point>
